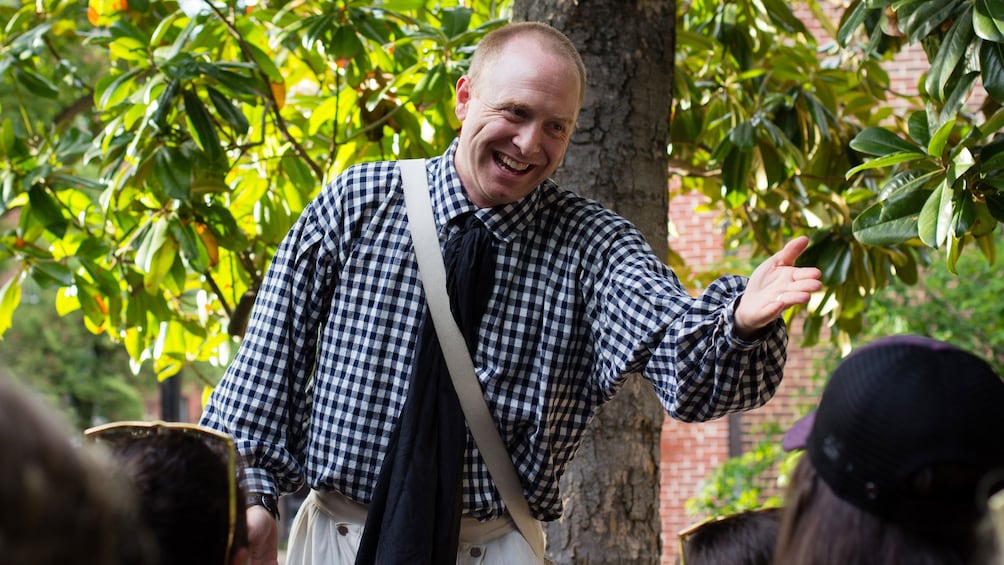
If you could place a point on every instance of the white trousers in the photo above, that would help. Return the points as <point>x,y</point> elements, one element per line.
<point>328,527</point>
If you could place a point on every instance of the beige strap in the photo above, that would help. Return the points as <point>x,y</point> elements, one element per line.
<point>425,236</point>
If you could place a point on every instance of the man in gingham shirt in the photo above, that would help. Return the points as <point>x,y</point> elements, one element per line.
<point>580,301</point>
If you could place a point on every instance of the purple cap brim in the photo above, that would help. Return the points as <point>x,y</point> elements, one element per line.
<point>797,436</point>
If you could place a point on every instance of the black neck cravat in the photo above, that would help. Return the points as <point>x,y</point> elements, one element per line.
<point>414,516</point>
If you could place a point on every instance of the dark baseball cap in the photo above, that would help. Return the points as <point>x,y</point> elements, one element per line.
<point>899,406</point>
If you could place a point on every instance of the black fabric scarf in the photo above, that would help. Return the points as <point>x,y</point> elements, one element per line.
<point>414,515</point>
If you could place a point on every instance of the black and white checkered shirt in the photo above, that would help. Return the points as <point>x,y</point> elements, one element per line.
<point>580,301</point>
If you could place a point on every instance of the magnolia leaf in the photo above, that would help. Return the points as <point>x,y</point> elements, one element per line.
<point>193,252</point>
<point>949,56</point>
<point>937,144</point>
<point>10,298</point>
<point>886,161</point>
<point>172,169</point>
<point>891,221</point>
<point>992,69</point>
<point>853,17</point>
<point>927,223</point>
<point>456,21</point>
<point>919,128</point>
<point>205,130</point>
<point>35,83</point>
<point>918,19</point>
<point>47,211</point>
<point>228,111</point>
<point>880,142</point>
<point>988,20</point>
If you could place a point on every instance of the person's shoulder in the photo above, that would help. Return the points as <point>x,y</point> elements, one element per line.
<point>574,210</point>
<point>369,171</point>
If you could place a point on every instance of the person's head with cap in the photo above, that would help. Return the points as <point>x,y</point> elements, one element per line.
<point>905,446</point>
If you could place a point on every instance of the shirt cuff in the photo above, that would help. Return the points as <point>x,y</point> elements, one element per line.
<point>258,480</point>
<point>737,340</point>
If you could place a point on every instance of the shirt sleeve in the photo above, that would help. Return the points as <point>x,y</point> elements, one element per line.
<point>253,401</point>
<point>684,345</point>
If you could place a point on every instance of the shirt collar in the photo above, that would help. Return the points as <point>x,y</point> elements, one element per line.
<point>504,222</point>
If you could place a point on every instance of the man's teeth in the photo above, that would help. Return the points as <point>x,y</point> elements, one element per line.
<point>512,164</point>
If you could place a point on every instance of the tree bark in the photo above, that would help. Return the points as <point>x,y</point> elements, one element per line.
<point>617,156</point>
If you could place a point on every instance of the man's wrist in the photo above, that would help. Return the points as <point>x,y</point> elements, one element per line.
<point>267,501</point>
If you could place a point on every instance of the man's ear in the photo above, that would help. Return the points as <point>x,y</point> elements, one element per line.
<point>463,97</point>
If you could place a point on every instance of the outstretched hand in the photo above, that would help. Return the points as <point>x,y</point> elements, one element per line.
<point>775,286</point>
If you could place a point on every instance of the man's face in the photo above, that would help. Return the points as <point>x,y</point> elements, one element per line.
<point>517,121</point>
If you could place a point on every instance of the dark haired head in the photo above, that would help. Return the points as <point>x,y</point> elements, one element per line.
<point>901,455</point>
<point>59,502</point>
<point>744,538</point>
<point>183,488</point>
<point>820,528</point>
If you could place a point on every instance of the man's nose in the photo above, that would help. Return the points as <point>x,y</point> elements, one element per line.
<point>528,139</point>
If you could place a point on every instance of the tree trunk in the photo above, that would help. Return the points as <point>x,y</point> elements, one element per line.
<point>617,156</point>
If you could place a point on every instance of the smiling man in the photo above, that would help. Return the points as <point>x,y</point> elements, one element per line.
<point>518,107</point>
<point>575,301</point>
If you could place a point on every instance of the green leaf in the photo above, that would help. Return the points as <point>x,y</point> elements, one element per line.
<point>835,264</point>
<point>880,142</point>
<point>891,221</point>
<point>345,43</point>
<point>193,252</point>
<point>995,204</point>
<point>958,88</point>
<point>52,273</point>
<point>230,113</point>
<point>205,131</point>
<point>160,265</point>
<point>164,103</point>
<point>949,56</point>
<point>172,169</point>
<point>129,49</point>
<point>886,161</point>
<point>780,14</point>
<point>735,173</point>
<point>47,211</point>
<point>432,87</point>
<point>992,158</point>
<point>456,21</point>
<point>151,242</point>
<point>35,83</point>
<point>918,19</point>
<point>963,217</point>
<point>988,20</point>
<point>742,136</point>
<point>317,27</point>
<point>852,18</point>
<point>10,298</point>
<point>936,216</point>
<point>992,69</point>
<point>937,145</point>
<point>961,163</point>
<point>266,64</point>
<point>298,172</point>
<point>919,129</point>
<point>156,253</point>
<point>113,93</point>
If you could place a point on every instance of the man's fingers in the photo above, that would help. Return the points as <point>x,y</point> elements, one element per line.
<point>787,255</point>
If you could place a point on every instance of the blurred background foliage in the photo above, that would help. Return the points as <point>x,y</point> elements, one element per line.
<point>790,134</point>
<point>154,154</point>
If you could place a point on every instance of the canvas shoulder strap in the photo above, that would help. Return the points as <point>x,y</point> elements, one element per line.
<point>422,225</point>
